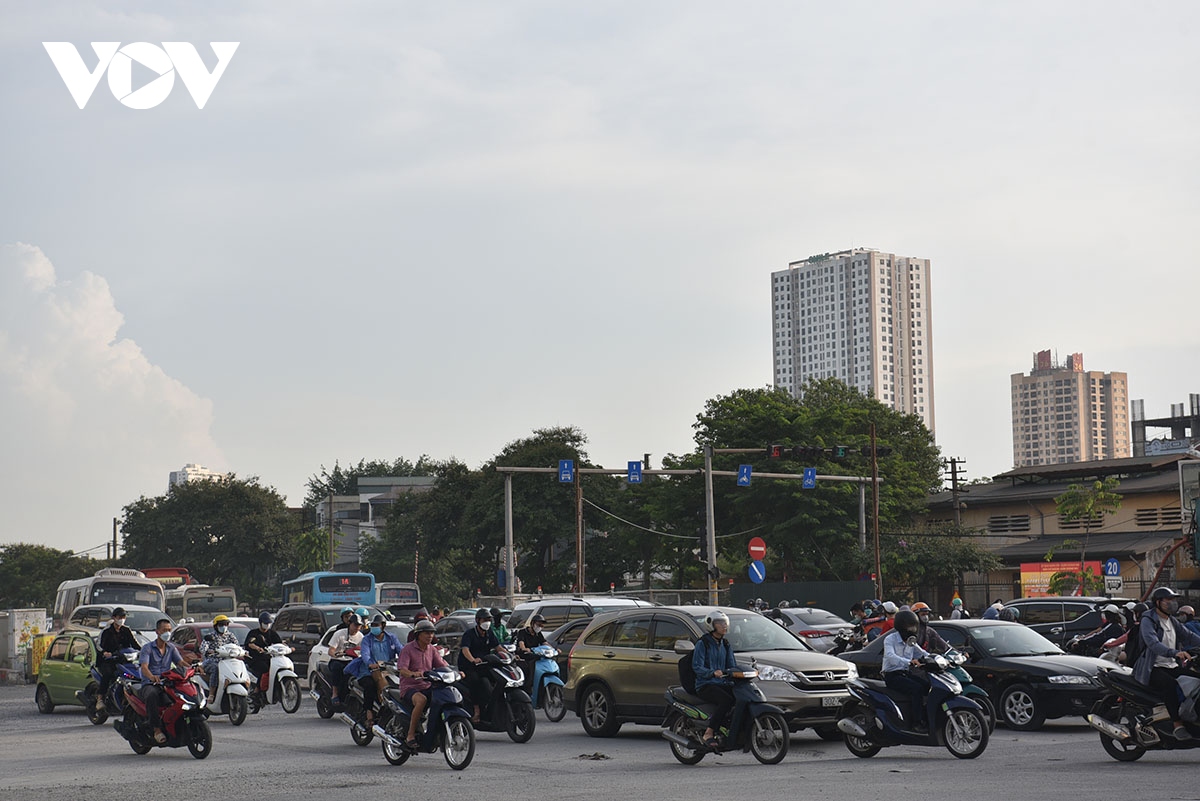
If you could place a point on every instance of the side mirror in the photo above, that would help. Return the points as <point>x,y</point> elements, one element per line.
<point>82,659</point>
<point>684,647</point>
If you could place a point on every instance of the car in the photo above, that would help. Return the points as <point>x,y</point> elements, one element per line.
<point>65,668</point>
<point>449,631</point>
<point>816,627</point>
<point>319,655</point>
<point>563,638</point>
<point>624,662</point>
<point>559,610</point>
<point>1058,618</point>
<point>1028,678</point>
<point>188,636</point>
<point>143,620</point>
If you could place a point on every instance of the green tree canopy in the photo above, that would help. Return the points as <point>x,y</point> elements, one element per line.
<point>30,574</point>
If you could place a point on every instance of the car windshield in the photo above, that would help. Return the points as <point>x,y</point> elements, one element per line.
<point>143,620</point>
<point>1013,640</point>
<point>753,632</point>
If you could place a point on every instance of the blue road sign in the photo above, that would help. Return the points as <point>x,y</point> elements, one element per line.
<point>1112,567</point>
<point>758,571</point>
<point>566,470</point>
<point>744,471</point>
<point>810,478</point>
<point>635,472</point>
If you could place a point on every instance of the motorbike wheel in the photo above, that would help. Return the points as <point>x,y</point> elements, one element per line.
<point>521,722</point>
<point>599,716</point>
<point>289,694</point>
<point>361,735</point>
<point>769,738</point>
<point>861,746</point>
<point>965,733</point>
<point>139,746</point>
<point>1127,751</point>
<point>96,716</point>
<point>238,706</point>
<point>988,709</point>
<point>396,754</point>
<point>459,744</point>
<point>199,739</point>
<point>44,704</point>
<point>685,755</point>
<point>553,704</point>
<point>324,707</point>
<point>1020,708</point>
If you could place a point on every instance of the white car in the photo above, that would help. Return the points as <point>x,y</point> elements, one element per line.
<point>319,655</point>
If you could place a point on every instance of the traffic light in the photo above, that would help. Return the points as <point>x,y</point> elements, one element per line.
<point>775,451</point>
<point>840,451</point>
<point>880,450</point>
<point>807,452</point>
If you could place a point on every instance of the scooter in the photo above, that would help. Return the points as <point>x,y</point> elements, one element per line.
<point>970,689</point>
<point>507,707</point>
<point>446,724</point>
<point>183,720</point>
<point>1132,719</point>
<point>547,684</point>
<point>278,683</point>
<point>358,716</point>
<point>320,689</point>
<point>125,665</point>
<point>873,718</point>
<point>233,683</point>
<point>844,642</point>
<point>763,729</point>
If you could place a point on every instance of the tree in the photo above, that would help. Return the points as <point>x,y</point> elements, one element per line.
<point>923,561</point>
<point>30,574</point>
<point>345,481</point>
<point>1088,504</point>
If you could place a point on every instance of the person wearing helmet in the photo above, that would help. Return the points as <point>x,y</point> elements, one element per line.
<point>256,643</point>
<point>1093,643</point>
<point>115,637</point>
<point>901,662</point>
<point>1164,652</point>
<point>476,643</point>
<point>344,617</point>
<point>343,646</point>
<point>378,645</point>
<point>927,637</point>
<point>889,610</point>
<point>782,605</point>
<point>529,638</point>
<point>415,659</point>
<point>219,636</point>
<point>713,663</point>
<point>875,620</point>
<point>498,625</point>
<point>1187,616</point>
<point>418,616</point>
<point>993,611</point>
<point>957,610</point>
<point>1010,614</point>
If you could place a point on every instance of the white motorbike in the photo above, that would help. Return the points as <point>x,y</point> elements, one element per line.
<point>233,683</point>
<point>278,684</point>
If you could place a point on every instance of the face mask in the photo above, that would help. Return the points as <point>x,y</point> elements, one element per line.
<point>1172,607</point>
<point>923,618</point>
<point>221,629</point>
<point>537,629</point>
<point>119,622</point>
<point>164,635</point>
<point>485,625</point>
<point>376,630</point>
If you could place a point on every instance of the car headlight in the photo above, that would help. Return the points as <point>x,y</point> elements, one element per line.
<point>1069,680</point>
<point>772,673</point>
<point>851,671</point>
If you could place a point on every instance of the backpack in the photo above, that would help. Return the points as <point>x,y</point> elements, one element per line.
<point>1133,645</point>
<point>687,674</point>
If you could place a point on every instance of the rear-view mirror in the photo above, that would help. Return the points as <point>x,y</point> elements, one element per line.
<point>684,647</point>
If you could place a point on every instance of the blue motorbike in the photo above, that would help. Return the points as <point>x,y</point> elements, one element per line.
<point>873,718</point>
<point>125,670</point>
<point>446,725</point>
<point>547,684</point>
<point>762,730</point>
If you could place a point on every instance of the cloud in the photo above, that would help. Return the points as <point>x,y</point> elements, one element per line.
<point>89,423</point>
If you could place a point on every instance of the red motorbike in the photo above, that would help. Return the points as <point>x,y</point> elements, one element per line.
<point>184,719</point>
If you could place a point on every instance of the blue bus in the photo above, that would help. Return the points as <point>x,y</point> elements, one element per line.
<point>325,587</point>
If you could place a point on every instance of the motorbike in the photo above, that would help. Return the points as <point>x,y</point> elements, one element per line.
<point>873,718</point>
<point>277,684</point>
<point>1132,719</point>
<point>547,684</point>
<point>445,725</point>
<point>184,720</point>
<point>970,689</point>
<point>320,689</point>
<point>763,729</point>
<point>507,707</point>
<point>844,642</point>
<point>125,666</point>
<point>233,683</point>
<point>360,717</point>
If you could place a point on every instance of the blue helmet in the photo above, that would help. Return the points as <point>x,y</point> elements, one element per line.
<point>363,613</point>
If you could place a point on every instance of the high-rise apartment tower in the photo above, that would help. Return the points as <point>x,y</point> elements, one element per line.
<point>861,316</point>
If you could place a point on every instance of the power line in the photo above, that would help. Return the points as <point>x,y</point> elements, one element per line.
<point>664,533</point>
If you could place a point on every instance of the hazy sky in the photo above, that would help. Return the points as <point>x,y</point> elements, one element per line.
<point>400,228</point>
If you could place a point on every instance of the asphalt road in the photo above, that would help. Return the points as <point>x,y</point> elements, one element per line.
<point>279,756</point>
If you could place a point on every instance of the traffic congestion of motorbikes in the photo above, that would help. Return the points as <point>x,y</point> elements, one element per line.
<point>414,702</point>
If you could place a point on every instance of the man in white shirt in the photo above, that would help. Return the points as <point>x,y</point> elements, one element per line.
<point>343,641</point>
<point>901,655</point>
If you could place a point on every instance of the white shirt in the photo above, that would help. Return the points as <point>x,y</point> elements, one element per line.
<point>1168,639</point>
<point>897,654</point>
<point>338,642</point>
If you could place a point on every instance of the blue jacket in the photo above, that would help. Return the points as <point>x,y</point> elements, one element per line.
<point>375,650</point>
<point>1152,631</point>
<point>710,655</point>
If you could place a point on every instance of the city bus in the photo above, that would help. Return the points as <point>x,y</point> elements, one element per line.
<point>325,587</point>
<point>169,577</point>
<point>110,585</point>
<point>200,602</point>
<point>401,599</point>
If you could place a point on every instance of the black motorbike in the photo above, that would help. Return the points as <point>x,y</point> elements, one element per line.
<point>844,642</point>
<point>506,707</point>
<point>1132,719</point>
<point>362,718</point>
<point>320,689</point>
<point>445,725</point>
<point>762,730</point>
<point>125,667</point>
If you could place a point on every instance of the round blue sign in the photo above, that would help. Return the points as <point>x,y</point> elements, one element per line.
<point>1112,567</point>
<point>757,571</point>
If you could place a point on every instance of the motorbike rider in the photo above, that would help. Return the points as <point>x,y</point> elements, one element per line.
<point>418,616</point>
<point>901,658</point>
<point>221,635</point>
<point>1164,654</point>
<point>378,645</point>
<point>873,620</point>
<point>1109,629</point>
<point>927,637</point>
<point>476,643</point>
<point>498,625</point>
<point>993,611</point>
<point>1187,616</point>
<point>344,615</point>
<point>155,659</point>
<point>417,657</point>
<point>113,639</point>
<point>256,643</point>
<point>342,641</point>
<point>528,638</point>
<point>713,663</point>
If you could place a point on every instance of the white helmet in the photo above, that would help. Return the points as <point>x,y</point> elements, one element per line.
<point>1111,609</point>
<point>714,618</point>
<point>890,607</point>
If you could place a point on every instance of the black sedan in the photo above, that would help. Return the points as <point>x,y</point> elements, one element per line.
<point>1028,678</point>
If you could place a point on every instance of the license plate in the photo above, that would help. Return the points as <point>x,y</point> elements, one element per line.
<point>833,700</point>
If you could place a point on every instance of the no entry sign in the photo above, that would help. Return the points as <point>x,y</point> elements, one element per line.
<point>758,548</point>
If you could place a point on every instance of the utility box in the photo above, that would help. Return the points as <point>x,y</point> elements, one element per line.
<point>18,629</point>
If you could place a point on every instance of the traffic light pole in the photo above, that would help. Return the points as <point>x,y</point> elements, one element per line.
<point>710,532</point>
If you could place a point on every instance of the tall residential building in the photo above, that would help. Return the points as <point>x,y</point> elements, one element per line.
<point>1061,414</point>
<point>193,472</point>
<point>861,316</point>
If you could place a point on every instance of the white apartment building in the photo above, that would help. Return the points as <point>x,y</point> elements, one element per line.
<point>861,316</point>
<point>193,472</point>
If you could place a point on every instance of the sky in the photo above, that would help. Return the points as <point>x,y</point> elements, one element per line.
<point>406,228</point>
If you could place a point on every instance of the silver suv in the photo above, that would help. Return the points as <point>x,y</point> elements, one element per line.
<point>559,610</point>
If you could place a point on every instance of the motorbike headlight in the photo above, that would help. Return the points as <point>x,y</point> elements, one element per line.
<point>773,673</point>
<point>1069,679</point>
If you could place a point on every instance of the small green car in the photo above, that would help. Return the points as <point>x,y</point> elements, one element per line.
<point>65,668</point>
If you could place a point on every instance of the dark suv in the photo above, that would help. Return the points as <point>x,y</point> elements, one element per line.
<point>302,625</point>
<point>1058,618</point>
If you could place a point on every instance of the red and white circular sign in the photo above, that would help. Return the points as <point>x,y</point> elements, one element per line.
<point>758,548</point>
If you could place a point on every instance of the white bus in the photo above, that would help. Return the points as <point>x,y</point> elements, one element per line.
<point>110,585</point>
<point>200,602</point>
<point>401,599</point>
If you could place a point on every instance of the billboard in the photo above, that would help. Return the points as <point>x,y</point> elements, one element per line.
<point>1035,576</point>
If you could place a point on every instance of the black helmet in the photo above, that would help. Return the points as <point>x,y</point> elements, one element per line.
<point>907,624</point>
<point>536,619</point>
<point>119,612</point>
<point>482,614</point>
<point>1139,610</point>
<point>424,625</point>
<point>378,620</point>
<point>1162,592</point>
<point>856,606</point>
<point>1010,613</point>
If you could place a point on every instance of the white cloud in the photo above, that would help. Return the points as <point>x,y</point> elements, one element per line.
<point>89,423</point>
